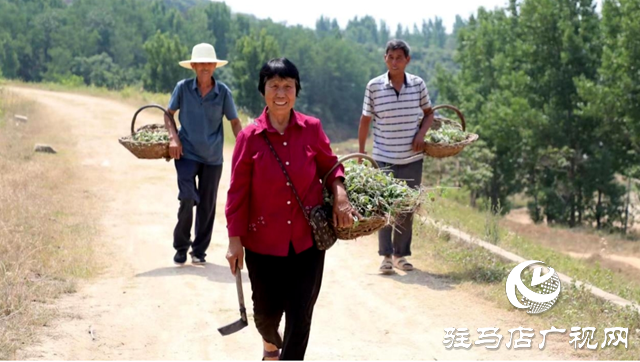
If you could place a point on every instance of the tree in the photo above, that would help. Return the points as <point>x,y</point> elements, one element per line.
<point>399,32</point>
<point>99,70</point>
<point>219,15</point>
<point>58,40</point>
<point>364,31</point>
<point>610,100</point>
<point>488,91</point>
<point>554,38</point>
<point>384,33</point>
<point>162,72</point>
<point>252,51</point>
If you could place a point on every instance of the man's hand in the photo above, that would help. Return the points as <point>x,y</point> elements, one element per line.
<point>175,148</point>
<point>360,158</point>
<point>363,132</point>
<point>418,142</point>
<point>236,126</point>
<point>427,121</point>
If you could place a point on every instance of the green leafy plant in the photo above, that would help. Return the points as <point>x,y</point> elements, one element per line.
<point>446,134</point>
<point>374,192</point>
<point>149,136</point>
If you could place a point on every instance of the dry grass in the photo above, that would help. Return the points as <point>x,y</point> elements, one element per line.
<point>45,225</point>
<point>46,216</point>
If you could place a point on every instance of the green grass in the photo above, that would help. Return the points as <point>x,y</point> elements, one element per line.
<point>596,275</point>
<point>476,223</point>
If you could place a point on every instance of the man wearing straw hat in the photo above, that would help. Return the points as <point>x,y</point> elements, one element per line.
<point>398,103</point>
<point>197,149</point>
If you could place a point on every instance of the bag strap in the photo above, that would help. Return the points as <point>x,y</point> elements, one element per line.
<point>289,182</point>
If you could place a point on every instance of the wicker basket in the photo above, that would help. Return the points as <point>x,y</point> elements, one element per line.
<point>364,226</point>
<point>438,150</point>
<point>147,150</point>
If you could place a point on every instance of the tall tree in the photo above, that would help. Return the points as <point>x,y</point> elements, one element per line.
<point>384,33</point>
<point>252,51</point>
<point>610,101</point>
<point>162,72</point>
<point>363,31</point>
<point>489,91</point>
<point>554,37</point>
<point>219,15</point>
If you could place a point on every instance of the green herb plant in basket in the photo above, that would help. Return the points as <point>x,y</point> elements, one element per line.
<point>446,137</point>
<point>447,134</point>
<point>150,141</point>
<point>150,135</point>
<point>379,198</point>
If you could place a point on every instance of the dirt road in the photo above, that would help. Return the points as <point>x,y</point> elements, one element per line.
<point>143,307</point>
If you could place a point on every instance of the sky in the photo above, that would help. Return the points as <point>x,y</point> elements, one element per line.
<point>304,12</point>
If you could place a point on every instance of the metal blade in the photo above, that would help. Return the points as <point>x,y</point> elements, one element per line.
<point>242,322</point>
<point>233,327</point>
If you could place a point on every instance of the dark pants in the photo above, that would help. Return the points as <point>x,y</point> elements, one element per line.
<point>287,285</point>
<point>203,195</point>
<point>398,241</point>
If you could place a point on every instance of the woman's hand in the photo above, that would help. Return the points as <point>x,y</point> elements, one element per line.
<point>235,254</point>
<point>343,212</point>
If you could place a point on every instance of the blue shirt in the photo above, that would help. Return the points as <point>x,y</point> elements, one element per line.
<point>200,131</point>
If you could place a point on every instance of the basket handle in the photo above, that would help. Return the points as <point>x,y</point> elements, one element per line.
<point>448,106</point>
<point>346,157</point>
<point>133,121</point>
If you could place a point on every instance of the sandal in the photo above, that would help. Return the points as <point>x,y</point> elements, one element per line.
<point>386,267</point>
<point>271,355</point>
<point>402,264</point>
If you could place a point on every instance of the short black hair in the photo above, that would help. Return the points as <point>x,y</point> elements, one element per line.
<point>279,67</point>
<point>398,44</point>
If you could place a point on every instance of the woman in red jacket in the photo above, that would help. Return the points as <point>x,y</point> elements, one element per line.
<point>264,217</point>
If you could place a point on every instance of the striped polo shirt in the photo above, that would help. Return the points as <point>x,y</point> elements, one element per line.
<point>396,117</point>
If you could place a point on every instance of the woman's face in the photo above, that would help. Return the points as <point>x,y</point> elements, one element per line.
<point>280,94</point>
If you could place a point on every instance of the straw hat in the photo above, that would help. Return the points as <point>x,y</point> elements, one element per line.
<point>203,53</point>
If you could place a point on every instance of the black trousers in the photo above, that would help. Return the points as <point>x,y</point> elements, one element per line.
<point>397,241</point>
<point>288,285</point>
<point>204,196</point>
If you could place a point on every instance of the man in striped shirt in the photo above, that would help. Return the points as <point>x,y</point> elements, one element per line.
<point>398,103</point>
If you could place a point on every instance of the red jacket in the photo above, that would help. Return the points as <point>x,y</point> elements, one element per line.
<point>261,208</point>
